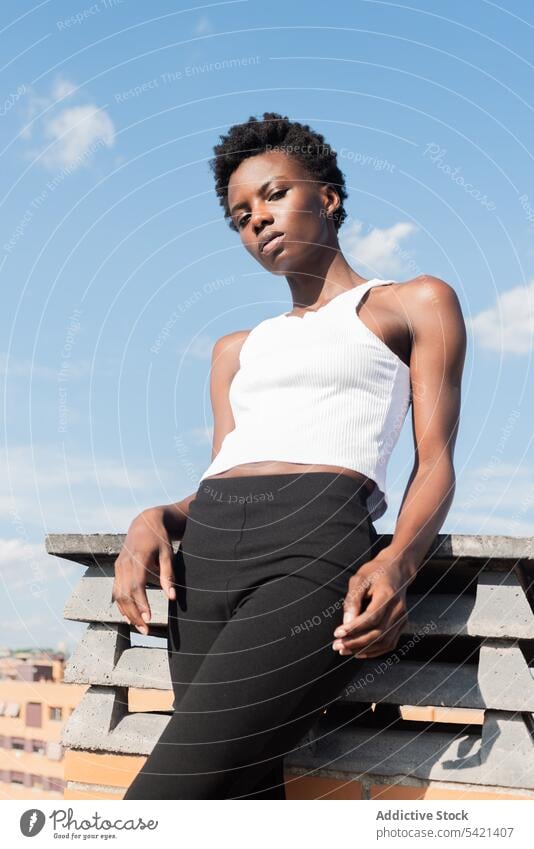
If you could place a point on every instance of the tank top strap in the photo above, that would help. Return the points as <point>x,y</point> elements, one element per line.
<point>359,291</point>
<point>339,301</point>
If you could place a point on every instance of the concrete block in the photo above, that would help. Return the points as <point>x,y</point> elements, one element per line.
<point>502,607</point>
<point>91,600</point>
<point>101,723</point>
<point>97,654</point>
<point>415,683</point>
<point>507,750</point>
<point>502,756</point>
<point>105,656</point>
<point>504,678</point>
<point>502,681</point>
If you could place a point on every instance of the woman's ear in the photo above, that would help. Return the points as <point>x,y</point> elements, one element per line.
<point>331,200</point>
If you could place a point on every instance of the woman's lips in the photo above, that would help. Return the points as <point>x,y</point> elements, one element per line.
<point>273,244</point>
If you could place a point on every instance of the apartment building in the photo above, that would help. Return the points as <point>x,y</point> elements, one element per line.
<point>34,704</point>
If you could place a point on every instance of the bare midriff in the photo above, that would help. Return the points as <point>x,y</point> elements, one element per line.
<point>276,467</point>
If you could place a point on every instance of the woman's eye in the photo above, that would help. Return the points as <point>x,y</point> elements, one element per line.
<point>242,220</point>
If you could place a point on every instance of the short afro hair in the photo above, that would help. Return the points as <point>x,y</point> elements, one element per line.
<point>276,132</point>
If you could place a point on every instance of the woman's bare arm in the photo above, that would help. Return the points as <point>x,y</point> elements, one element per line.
<point>436,367</point>
<point>225,364</point>
<point>375,610</point>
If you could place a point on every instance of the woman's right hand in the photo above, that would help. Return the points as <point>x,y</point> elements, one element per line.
<point>146,554</point>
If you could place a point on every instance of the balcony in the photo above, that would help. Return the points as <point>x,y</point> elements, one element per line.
<point>448,714</point>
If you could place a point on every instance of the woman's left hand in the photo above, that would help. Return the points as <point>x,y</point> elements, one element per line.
<point>374,609</point>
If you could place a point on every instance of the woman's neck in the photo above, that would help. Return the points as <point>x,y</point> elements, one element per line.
<point>312,289</point>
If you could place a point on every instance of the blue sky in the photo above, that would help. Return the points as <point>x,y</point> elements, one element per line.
<point>118,272</point>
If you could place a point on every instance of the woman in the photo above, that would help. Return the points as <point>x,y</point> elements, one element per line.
<point>278,585</point>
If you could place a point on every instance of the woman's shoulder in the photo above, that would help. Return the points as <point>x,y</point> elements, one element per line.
<point>425,285</point>
<point>426,291</point>
<point>227,347</point>
<point>432,309</point>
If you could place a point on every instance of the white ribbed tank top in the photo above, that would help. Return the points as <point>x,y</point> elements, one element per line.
<point>321,388</point>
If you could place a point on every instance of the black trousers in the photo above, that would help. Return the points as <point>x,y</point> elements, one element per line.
<point>260,578</point>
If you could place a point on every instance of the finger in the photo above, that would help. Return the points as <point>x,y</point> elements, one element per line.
<point>166,572</point>
<point>119,608</point>
<point>353,601</point>
<point>133,604</point>
<point>141,607</point>
<point>361,643</point>
<point>120,592</point>
<point>387,644</point>
<point>126,607</point>
<point>391,628</point>
<point>371,616</point>
<point>117,599</point>
<point>385,636</point>
<point>368,654</point>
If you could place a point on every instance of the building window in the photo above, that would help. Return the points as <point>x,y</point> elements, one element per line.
<point>38,747</point>
<point>34,714</point>
<point>17,777</point>
<point>37,781</point>
<point>55,713</point>
<point>18,743</point>
<point>43,673</point>
<point>56,785</point>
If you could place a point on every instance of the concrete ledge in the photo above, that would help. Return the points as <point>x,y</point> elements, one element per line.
<point>472,604</point>
<point>322,788</point>
<point>83,548</point>
<point>398,787</point>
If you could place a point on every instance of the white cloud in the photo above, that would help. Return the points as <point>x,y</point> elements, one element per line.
<point>62,88</point>
<point>380,249</point>
<point>494,499</point>
<point>203,26</point>
<point>76,133</point>
<point>33,592</point>
<point>200,348</point>
<point>25,565</point>
<point>71,493</point>
<point>80,513</point>
<point>490,523</point>
<point>47,490</point>
<point>501,471</point>
<point>507,327</point>
<point>67,137</point>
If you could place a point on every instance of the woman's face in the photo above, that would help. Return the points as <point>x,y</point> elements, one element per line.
<point>273,193</point>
